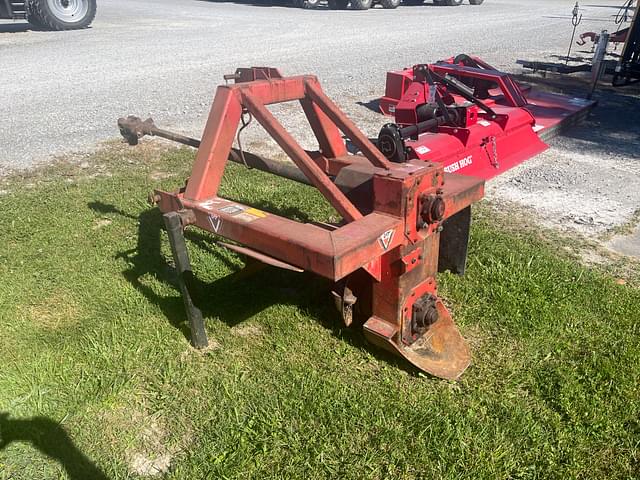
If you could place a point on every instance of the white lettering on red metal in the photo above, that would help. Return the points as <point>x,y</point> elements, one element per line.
<point>462,163</point>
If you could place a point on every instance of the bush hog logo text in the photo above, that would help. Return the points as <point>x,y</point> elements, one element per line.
<point>464,162</point>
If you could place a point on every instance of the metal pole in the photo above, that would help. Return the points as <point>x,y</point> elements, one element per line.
<point>133,128</point>
<point>598,62</point>
<point>575,21</point>
<point>173,223</point>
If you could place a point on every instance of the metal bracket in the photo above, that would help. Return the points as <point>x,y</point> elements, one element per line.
<point>174,225</point>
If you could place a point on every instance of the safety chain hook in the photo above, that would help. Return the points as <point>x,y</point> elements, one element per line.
<point>494,144</point>
<point>576,20</point>
<point>246,119</point>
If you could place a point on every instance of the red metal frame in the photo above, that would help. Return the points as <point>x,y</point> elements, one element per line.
<point>383,234</point>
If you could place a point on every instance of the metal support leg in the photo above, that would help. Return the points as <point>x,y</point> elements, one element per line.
<point>597,68</point>
<point>173,225</point>
<point>454,241</point>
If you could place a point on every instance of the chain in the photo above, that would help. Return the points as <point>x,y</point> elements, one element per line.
<point>494,144</point>
<point>623,14</point>
<point>245,124</point>
<point>576,18</point>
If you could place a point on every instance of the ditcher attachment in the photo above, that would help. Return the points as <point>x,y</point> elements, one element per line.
<point>384,255</point>
<point>440,350</point>
<point>474,119</point>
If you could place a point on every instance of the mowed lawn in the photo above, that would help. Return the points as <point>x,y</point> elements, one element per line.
<point>98,380</point>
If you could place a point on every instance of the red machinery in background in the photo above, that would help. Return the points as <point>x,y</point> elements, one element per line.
<point>383,256</point>
<point>470,117</point>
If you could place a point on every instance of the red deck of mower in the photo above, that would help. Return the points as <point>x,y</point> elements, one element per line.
<point>401,221</point>
<point>470,117</point>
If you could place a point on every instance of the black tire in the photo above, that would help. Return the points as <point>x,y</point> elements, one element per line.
<point>413,2</point>
<point>388,4</point>
<point>338,4</point>
<point>35,21</point>
<point>449,3</point>
<point>476,2</point>
<point>61,14</point>
<point>307,3</point>
<point>361,4</point>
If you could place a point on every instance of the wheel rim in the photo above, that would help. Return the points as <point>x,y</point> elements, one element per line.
<point>69,11</point>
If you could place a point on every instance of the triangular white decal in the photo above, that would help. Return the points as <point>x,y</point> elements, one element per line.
<point>215,222</point>
<point>385,238</point>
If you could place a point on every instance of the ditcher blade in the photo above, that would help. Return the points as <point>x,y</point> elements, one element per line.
<point>441,351</point>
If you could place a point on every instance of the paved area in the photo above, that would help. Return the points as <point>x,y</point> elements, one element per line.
<point>63,91</point>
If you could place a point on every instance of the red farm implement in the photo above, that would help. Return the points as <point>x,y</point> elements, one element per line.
<point>402,222</point>
<point>470,117</point>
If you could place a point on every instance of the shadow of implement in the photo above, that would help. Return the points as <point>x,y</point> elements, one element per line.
<point>236,297</point>
<point>224,298</point>
<point>52,440</point>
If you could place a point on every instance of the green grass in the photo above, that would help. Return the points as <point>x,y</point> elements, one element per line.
<point>97,374</point>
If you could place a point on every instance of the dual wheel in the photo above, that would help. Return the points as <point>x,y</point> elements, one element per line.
<point>61,14</point>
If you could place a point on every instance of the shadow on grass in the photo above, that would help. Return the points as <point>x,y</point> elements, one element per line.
<point>236,297</point>
<point>53,441</point>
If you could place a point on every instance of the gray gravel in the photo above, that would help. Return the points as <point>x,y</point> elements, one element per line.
<point>61,92</point>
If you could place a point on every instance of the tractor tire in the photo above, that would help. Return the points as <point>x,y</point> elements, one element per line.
<point>307,3</point>
<point>35,21</point>
<point>361,4</point>
<point>338,4</point>
<point>388,4</point>
<point>413,3</point>
<point>476,2</point>
<point>61,14</point>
